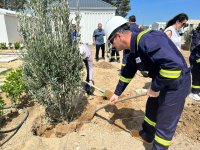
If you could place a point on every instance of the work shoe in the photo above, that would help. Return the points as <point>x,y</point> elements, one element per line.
<point>144,73</point>
<point>112,60</point>
<point>194,96</point>
<point>135,133</point>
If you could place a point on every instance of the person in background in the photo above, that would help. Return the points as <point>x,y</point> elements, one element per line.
<point>161,29</point>
<point>98,40</point>
<point>114,53</point>
<point>142,28</point>
<point>73,30</point>
<point>154,52</point>
<point>87,59</point>
<point>133,25</point>
<point>133,28</point>
<point>173,28</point>
<point>195,63</point>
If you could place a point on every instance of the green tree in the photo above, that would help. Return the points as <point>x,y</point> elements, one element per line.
<point>52,61</point>
<point>122,6</point>
<point>15,5</point>
<point>1,3</point>
<point>5,4</point>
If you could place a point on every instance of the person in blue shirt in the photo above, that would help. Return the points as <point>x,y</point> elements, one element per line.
<point>154,52</point>
<point>98,40</point>
<point>74,31</point>
<point>195,63</point>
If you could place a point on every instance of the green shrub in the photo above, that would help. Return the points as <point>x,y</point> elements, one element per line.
<point>52,61</point>
<point>14,85</point>
<point>17,45</point>
<point>10,45</point>
<point>3,46</point>
<point>2,104</point>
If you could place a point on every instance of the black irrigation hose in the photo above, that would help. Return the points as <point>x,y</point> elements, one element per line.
<point>1,144</point>
<point>19,125</point>
<point>15,128</point>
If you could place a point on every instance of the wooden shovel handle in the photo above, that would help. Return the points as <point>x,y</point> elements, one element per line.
<point>120,100</point>
<point>92,85</point>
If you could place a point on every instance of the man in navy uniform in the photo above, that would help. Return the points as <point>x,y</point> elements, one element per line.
<point>154,52</point>
<point>195,63</point>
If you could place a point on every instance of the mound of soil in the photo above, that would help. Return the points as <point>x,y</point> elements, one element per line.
<point>189,123</point>
<point>104,65</point>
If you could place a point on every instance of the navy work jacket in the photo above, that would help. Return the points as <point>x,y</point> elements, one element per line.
<point>156,53</point>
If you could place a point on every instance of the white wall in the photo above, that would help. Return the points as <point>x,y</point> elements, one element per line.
<point>157,25</point>
<point>11,22</point>
<point>3,31</point>
<point>90,20</point>
<point>8,27</point>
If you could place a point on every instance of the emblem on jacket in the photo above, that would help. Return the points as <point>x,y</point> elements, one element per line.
<point>138,60</point>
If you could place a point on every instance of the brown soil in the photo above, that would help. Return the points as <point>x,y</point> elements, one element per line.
<point>13,64</point>
<point>190,123</point>
<point>109,128</point>
<point>104,65</point>
<point>9,51</point>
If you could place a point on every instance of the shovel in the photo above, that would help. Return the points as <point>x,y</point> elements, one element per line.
<point>120,100</point>
<point>100,90</point>
<point>106,93</point>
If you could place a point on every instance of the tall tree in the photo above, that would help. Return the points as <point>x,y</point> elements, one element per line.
<point>122,6</point>
<point>1,3</point>
<point>15,5</point>
<point>5,4</point>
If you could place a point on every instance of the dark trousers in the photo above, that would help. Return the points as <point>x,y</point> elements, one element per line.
<point>102,46</point>
<point>195,78</point>
<point>113,52</point>
<point>87,69</point>
<point>163,113</point>
<point>86,86</point>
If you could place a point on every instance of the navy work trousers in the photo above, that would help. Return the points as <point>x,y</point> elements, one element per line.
<point>195,78</point>
<point>163,113</point>
<point>113,52</point>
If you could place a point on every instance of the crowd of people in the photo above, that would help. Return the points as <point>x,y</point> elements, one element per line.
<point>158,55</point>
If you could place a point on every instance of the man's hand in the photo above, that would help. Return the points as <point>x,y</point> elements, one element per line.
<point>91,82</point>
<point>94,43</point>
<point>113,99</point>
<point>152,93</point>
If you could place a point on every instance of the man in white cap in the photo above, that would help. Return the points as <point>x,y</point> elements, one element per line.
<point>154,52</point>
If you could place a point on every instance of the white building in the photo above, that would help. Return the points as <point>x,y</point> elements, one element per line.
<point>158,25</point>
<point>8,27</point>
<point>92,12</point>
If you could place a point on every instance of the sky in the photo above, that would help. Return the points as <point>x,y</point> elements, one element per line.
<point>149,11</point>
